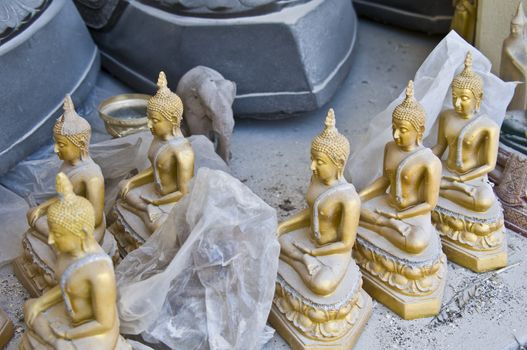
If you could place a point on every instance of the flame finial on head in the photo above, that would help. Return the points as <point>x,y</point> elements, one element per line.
<point>73,126</point>
<point>410,90</point>
<point>69,107</point>
<point>162,80</point>
<point>64,186</point>
<point>330,119</point>
<point>519,17</point>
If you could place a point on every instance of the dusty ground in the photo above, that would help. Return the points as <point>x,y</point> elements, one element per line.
<point>272,157</point>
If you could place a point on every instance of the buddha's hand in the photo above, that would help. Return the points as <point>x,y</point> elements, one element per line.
<point>32,216</point>
<point>302,248</point>
<point>452,178</point>
<point>469,190</point>
<point>32,308</point>
<point>312,264</point>
<point>59,330</point>
<point>387,214</point>
<point>124,187</point>
<point>148,200</point>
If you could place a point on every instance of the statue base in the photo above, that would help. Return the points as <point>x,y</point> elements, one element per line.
<point>305,47</point>
<point>129,230</point>
<point>6,329</point>
<point>473,240</point>
<point>35,267</point>
<point>411,285</point>
<point>510,178</point>
<point>310,321</point>
<point>298,341</point>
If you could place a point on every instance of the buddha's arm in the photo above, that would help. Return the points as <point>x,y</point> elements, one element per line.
<point>442,142</point>
<point>379,186</point>
<point>376,188</point>
<point>491,145</point>
<point>348,228</point>
<point>103,300</point>
<point>95,194</point>
<point>299,220</point>
<point>34,307</point>
<point>34,213</point>
<point>185,172</point>
<point>144,177</point>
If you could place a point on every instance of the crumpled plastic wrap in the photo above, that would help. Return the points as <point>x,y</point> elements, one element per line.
<point>432,89</point>
<point>206,278</point>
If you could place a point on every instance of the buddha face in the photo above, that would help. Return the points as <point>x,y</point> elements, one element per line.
<point>516,29</point>
<point>159,126</point>
<point>324,168</point>
<point>65,149</point>
<point>62,239</point>
<point>404,133</point>
<point>464,101</point>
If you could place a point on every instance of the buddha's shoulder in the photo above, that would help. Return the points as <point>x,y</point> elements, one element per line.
<point>348,193</point>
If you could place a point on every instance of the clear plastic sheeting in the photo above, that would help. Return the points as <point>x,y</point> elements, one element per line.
<point>432,89</point>
<point>13,218</point>
<point>206,278</point>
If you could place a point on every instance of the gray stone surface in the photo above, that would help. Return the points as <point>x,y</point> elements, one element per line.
<point>288,61</point>
<point>53,56</point>
<point>272,158</point>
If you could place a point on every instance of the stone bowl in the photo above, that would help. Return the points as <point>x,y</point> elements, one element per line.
<point>124,114</point>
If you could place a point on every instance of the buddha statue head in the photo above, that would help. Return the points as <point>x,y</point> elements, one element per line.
<point>518,22</point>
<point>329,152</point>
<point>72,134</point>
<point>71,219</point>
<point>165,110</point>
<point>408,121</point>
<point>467,90</point>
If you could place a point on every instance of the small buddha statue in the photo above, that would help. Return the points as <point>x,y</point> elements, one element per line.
<point>6,329</point>
<point>464,19</point>
<point>80,312</point>
<point>71,134</point>
<point>319,299</point>
<point>468,215</point>
<point>514,60</point>
<point>145,200</point>
<point>397,247</point>
<point>514,68</point>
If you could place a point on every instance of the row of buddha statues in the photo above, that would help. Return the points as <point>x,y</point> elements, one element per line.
<point>387,241</point>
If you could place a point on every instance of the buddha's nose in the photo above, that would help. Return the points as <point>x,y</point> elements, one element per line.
<point>396,134</point>
<point>55,148</point>
<point>51,240</point>
<point>313,165</point>
<point>457,102</point>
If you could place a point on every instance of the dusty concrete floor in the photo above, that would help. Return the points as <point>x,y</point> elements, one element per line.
<point>271,157</point>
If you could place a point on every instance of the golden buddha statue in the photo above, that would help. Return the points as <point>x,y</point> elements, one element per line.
<point>397,247</point>
<point>80,312</point>
<point>464,19</point>
<point>71,133</point>
<point>6,329</point>
<point>319,300</point>
<point>468,215</point>
<point>147,198</point>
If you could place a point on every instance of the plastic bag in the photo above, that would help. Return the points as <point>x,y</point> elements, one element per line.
<point>206,278</point>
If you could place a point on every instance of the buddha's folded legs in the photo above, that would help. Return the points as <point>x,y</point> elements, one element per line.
<point>407,237</point>
<point>473,196</point>
<point>321,274</point>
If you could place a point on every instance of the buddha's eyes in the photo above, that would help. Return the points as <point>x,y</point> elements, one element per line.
<point>464,98</point>
<point>404,129</point>
<point>62,145</point>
